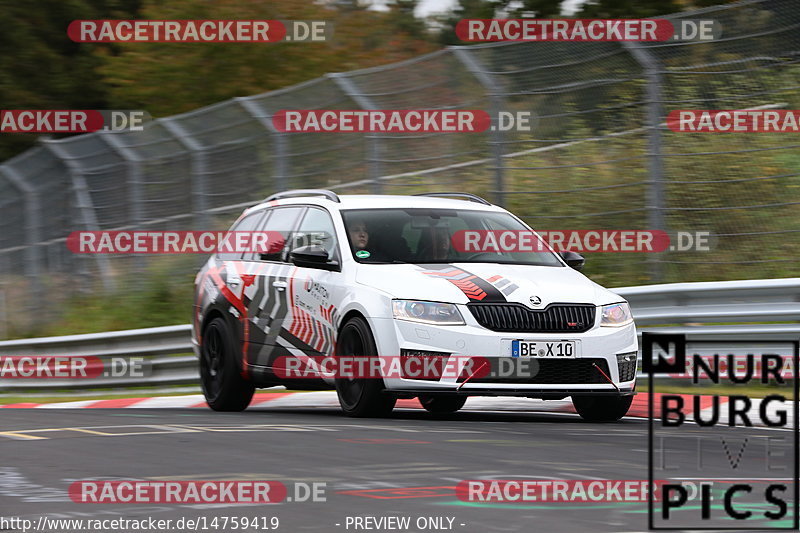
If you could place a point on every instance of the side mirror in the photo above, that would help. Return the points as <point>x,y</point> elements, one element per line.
<point>312,257</point>
<point>573,259</point>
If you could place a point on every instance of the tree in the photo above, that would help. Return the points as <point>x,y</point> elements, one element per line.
<point>167,78</point>
<point>466,9</point>
<point>41,68</point>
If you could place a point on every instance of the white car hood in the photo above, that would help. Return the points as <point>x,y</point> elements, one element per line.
<point>492,282</point>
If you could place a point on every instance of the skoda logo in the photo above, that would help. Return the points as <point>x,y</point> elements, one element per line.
<point>535,300</point>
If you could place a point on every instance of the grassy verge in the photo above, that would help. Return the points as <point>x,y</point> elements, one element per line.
<point>160,295</point>
<point>753,390</point>
<point>57,397</point>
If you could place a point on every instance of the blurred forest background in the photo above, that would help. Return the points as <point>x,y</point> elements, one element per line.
<point>41,69</point>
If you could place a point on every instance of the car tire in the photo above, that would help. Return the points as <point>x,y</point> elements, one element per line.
<point>442,404</point>
<point>361,397</point>
<point>602,408</point>
<point>223,385</point>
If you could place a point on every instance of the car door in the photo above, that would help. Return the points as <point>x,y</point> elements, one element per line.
<point>315,293</point>
<point>228,276</point>
<point>268,299</point>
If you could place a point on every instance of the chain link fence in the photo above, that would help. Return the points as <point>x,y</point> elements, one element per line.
<point>599,157</point>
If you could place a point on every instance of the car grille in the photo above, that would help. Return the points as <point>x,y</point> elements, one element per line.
<point>515,317</point>
<point>555,372</point>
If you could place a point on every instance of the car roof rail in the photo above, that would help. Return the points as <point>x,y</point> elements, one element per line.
<point>464,195</point>
<point>295,193</point>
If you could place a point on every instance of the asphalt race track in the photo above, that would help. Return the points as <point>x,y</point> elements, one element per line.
<point>406,465</point>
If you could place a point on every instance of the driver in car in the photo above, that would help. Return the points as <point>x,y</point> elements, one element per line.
<point>440,244</point>
<point>359,237</point>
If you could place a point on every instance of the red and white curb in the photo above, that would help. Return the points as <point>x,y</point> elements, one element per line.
<point>304,400</point>
<point>328,400</point>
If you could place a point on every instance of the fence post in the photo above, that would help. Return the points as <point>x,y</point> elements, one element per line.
<point>84,203</point>
<point>494,94</point>
<point>655,191</point>
<point>3,312</point>
<point>375,146</point>
<point>199,169</point>
<point>32,229</point>
<point>134,168</point>
<point>280,167</point>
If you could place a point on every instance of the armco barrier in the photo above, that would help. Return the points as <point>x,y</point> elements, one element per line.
<point>746,301</point>
<point>164,348</point>
<point>695,309</point>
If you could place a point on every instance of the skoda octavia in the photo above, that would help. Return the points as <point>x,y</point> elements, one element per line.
<point>379,278</point>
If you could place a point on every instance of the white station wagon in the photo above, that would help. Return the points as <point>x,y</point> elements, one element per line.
<point>378,278</point>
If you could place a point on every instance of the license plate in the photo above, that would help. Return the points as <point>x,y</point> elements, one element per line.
<point>551,349</point>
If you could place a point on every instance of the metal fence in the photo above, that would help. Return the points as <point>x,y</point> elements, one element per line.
<point>599,157</point>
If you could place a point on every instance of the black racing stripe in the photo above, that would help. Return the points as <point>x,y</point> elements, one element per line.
<point>277,322</point>
<point>277,350</point>
<point>267,357</point>
<point>493,294</point>
<point>297,343</point>
<point>252,305</point>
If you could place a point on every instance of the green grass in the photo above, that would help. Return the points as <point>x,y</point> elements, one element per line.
<point>160,295</point>
<point>107,395</point>
<point>56,398</point>
<point>753,390</point>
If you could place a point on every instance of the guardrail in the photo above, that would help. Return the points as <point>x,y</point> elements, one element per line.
<point>763,300</point>
<point>695,309</point>
<point>151,343</point>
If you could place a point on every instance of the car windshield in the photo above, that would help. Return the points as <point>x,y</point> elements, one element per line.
<point>426,236</point>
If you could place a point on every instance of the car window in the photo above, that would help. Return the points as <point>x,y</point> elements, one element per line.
<point>248,223</point>
<point>421,236</point>
<point>283,220</point>
<point>317,229</point>
<point>254,255</point>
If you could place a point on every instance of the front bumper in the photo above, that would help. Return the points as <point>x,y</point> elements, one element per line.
<point>599,345</point>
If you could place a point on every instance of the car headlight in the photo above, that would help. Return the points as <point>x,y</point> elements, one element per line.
<point>438,313</point>
<point>616,315</point>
